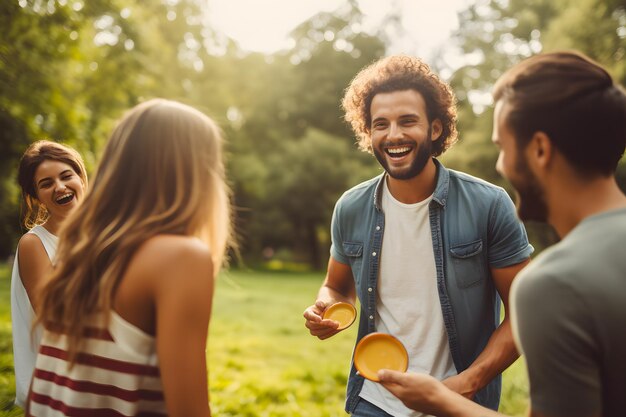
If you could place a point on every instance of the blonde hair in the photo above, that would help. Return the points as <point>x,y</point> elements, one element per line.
<point>161,173</point>
<point>43,150</point>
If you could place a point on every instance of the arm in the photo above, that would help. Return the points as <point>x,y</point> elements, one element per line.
<point>338,286</point>
<point>424,393</point>
<point>500,351</point>
<point>183,298</point>
<point>34,265</point>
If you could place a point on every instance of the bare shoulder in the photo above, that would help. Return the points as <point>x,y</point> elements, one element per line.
<point>32,255</point>
<point>166,272</point>
<point>34,265</point>
<point>175,245</point>
<point>174,257</point>
<point>30,244</point>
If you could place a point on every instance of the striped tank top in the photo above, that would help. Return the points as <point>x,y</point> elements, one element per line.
<point>116,374</point>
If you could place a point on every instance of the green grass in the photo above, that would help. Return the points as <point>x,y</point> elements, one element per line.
<point>262,360</point>
<point>7,378</point>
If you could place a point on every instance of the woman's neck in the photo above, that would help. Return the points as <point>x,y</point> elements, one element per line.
<point>53,224</point>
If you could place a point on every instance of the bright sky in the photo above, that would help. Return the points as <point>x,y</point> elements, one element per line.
<point>264,25</point>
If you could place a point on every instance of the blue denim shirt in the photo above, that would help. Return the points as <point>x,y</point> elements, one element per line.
<point>474,228</point>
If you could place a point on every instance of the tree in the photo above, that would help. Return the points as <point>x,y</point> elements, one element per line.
<point>307,177</point>
<point>285,116</point>
<point>69,69</point>
<point>496,34</point>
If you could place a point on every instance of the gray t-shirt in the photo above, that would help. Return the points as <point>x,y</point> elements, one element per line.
<point>569,319</point>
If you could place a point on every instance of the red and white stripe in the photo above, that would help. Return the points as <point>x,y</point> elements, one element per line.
<point>116,374</point>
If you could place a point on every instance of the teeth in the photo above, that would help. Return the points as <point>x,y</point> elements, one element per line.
<point>398,150</point>
<point>66,195</point>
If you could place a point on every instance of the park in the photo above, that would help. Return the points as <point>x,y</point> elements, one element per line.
<point>70,69</point>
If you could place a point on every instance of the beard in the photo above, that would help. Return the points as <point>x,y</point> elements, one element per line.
<point>531,201</point>
<point>422,156</point>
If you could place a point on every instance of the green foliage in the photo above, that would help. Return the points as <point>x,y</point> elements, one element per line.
<point>69,69</point>
<point>57,83</point>
<point>500,33</point>
<point>291,155</point>
<point>495,34</point>
<point>328,54</point>
<point>101,57</point>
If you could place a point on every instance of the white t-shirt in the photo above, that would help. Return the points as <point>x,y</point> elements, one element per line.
<point>25,347</point>
<point>407,304</point>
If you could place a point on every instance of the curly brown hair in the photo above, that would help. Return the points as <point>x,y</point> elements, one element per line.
<point>398,73</point>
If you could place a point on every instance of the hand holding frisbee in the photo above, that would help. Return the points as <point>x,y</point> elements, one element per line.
<point>324,320</point>
<point>343,313</point>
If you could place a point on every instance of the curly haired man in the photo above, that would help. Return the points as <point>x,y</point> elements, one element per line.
<point>428,251</point>
<point>560,126</point>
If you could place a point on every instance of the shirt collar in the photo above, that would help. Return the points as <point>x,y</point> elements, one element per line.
<point>441,188</point>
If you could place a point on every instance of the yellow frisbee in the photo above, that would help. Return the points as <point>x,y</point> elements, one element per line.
<point>344,313</point>
<point>378,351</point>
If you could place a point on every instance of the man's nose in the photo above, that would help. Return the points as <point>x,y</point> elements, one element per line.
<point>394,131</point>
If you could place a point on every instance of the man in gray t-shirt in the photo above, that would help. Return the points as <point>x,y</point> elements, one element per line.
<point>560,124</point>
<point>570,306</point>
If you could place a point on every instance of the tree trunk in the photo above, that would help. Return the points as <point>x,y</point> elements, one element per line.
<point>314,248</point>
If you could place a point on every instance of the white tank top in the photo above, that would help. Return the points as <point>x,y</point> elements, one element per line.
<point>25,347</point>
<point>407,304</point>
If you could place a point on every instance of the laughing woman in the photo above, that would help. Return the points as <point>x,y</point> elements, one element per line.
<point>52,179</point>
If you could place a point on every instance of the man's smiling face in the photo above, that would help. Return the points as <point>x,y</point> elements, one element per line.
<point>401,133</point>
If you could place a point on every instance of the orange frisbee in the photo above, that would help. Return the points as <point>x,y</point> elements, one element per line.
<point>378,351</point>
<point>344,313</point>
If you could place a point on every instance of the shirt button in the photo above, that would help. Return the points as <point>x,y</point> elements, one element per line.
<point>373,253</point>
<point>377,227</point>
<point>371,317</point>
<point>370,289</point>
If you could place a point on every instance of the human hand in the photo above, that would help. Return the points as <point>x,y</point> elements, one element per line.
<point>319,327</point>
<point>462,384</point>
<point>420,392</point>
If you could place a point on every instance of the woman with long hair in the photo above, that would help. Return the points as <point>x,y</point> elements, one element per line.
<point>126,311</point>
<point>52,179</point>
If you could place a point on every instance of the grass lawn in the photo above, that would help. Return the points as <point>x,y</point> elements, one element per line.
<point>262,360</point>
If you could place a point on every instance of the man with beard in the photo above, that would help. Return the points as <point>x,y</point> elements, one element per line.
<point>429,252</point>
<point>560,124</point>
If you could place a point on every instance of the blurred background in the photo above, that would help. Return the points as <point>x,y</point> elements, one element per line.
<point>272,74</point>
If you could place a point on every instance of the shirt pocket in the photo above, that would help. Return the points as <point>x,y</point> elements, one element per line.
<point>354,252</point>
<point>468,263</point>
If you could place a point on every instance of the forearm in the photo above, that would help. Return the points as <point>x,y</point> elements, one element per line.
<point>424,393</point>
<point>498,355</point>
<point>330,295</point>
<point>338,284</point>
<point>467,408</point>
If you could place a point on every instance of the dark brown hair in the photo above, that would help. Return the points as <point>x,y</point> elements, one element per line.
<point>574,101</point>
<point>399,73</point>
<point>35,154</point>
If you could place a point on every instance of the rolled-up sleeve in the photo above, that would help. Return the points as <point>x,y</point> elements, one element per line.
<point>508,241</point>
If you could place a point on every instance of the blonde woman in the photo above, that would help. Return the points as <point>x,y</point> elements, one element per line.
<point>127,309</point>
<point>52,179</point>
